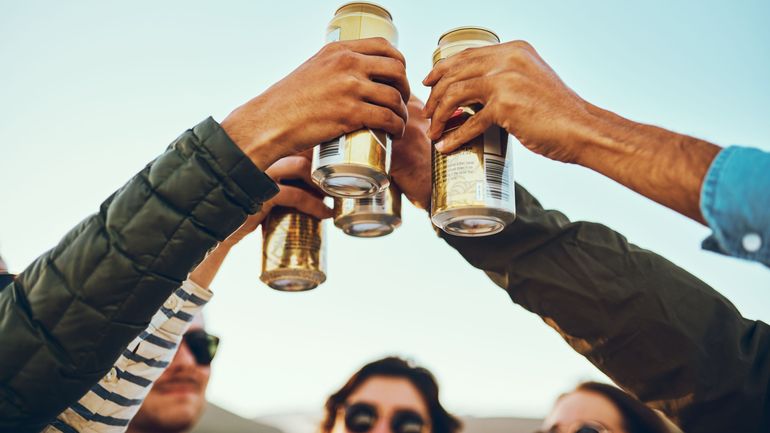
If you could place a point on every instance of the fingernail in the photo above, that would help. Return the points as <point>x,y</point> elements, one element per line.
<point>440,146</point>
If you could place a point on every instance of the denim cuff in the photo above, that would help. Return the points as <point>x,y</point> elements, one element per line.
<point>735,202</point>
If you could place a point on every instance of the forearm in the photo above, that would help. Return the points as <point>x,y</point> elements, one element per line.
<point>656,330</point>
<point>111,404</point>
<point>205,272</point>
<point>664,166</point>
<point>71,313</point>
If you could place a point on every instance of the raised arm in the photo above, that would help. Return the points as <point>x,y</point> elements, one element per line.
<point>658,331</point>
<point>729,190</point>
<point>67,317</point>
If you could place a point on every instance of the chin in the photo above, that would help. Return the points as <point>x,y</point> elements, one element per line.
<point>173,412</point>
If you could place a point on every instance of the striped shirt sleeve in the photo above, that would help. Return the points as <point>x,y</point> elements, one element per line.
<point>109,406</point>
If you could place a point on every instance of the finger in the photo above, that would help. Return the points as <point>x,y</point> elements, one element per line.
<point>374,47</point>
<point>376,117</point>
<point>438,71</point>
<point>384,96</point>
<point>291,167</point>
<point>301,200</point>
<point>471,129</point>
<point>462,72</point>
<point>389,71</point>
<point>458,94</point>
<point>466,62</point>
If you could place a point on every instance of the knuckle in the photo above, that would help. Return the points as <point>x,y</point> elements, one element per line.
<point>379,40</point>
<point>348,59</point>
<point>350,84</point>
<point>331,47</point>
<point>523,45</point>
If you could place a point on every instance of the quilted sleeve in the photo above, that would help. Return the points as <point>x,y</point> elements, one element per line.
<point>67,317</point>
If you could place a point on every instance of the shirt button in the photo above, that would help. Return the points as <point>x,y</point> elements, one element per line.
<point>752,242</point>
<point>112,376</point>
<point>170,303</point>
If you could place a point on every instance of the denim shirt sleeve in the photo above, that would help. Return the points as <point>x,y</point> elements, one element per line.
<point>735,202</point>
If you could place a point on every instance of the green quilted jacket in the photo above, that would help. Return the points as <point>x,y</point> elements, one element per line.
<point>657,331</point>
<point>65,319</point>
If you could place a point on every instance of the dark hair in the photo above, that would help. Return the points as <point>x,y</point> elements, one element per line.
<point>441,421</point>
<point>637,417</point>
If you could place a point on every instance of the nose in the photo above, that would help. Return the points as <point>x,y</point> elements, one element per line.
<point>381,426</point>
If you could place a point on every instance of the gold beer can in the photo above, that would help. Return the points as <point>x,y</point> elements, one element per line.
<point>293,251</point>
<point>356,164</point>
<point>369,217</point>
<point>473,186</point>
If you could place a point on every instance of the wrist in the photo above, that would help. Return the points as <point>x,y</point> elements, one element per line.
<point>604,138</point>
<point>254,136</point>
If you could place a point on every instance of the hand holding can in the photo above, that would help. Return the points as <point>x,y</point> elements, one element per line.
<point>356,164</point>
<point>473,186</point>
<point>347,86</point>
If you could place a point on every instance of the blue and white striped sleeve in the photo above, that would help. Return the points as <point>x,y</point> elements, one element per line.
<point>111,403</point>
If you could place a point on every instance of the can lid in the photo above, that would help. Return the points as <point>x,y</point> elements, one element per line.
<point>460,38</point>
<point>466,32</point>
<point>370,7</point>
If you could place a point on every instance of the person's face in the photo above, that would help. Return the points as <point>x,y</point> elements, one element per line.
<point>391,398</point>
<point>587,410</point>
<point>178,397</point>
<point>3,266</point>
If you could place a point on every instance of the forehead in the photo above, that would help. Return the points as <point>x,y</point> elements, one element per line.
<point>390,394</point>
<point>584,406</point>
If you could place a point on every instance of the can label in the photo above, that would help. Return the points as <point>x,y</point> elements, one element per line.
<point>330,152</point>
<point>477,174</point>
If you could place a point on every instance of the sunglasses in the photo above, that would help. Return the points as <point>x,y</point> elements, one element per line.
<point>202,345</point>
<point>579,427</point>
<point>361,418</point>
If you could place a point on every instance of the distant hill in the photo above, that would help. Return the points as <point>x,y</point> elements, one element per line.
<point>218,420</point>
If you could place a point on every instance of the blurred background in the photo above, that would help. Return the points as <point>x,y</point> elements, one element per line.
<point>91,91</point>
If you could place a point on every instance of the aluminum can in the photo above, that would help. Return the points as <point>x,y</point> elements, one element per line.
<point>369,217</point>
<point>473,186</point>
<point>293,250</point>
<point>356,164</point>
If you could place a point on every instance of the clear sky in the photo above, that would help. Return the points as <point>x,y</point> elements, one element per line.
<point>91,91</point>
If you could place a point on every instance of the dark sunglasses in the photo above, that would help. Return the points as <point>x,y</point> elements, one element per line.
<point>361,418</point>
<point>202,345</point>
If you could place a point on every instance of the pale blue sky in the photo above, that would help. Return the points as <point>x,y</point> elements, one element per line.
<point>92,91</point>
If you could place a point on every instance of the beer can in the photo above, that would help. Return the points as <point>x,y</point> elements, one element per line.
<point>369,217</point>
<point>473,186</point>
<point>356,164</point>
<point>293,250</point>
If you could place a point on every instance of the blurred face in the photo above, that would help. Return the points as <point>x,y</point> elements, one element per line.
<point>584,412</point>
<point>177,399</point>
<point>3,266</point>
<point>381,405</point>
